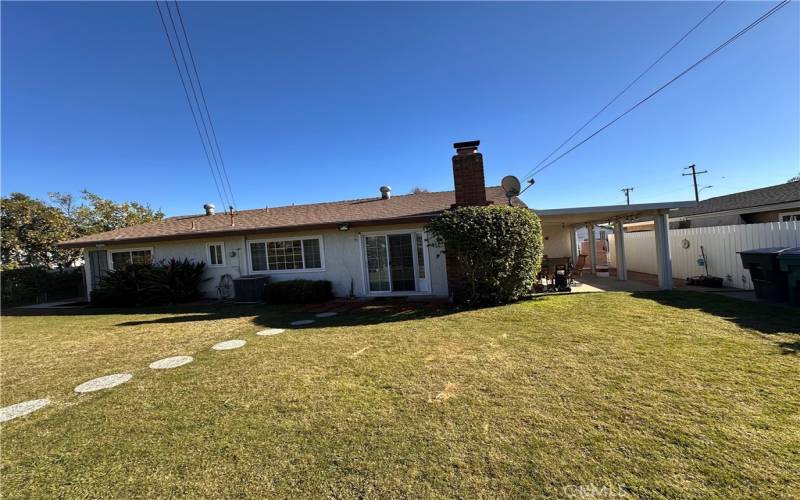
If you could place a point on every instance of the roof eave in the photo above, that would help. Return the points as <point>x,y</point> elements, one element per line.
<point>245,231</point>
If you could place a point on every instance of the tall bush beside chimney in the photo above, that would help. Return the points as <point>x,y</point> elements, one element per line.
<point>497,249</point>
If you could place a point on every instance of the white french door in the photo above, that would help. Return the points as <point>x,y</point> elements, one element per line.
<point>396,262</point>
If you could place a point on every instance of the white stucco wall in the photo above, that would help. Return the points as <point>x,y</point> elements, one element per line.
<point>343,259</point>
<point>556,242</point>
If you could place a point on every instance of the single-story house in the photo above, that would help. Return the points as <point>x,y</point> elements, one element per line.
<point>779,203</point>
<point>365,248</point>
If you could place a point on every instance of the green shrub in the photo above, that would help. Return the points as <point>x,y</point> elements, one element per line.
<point>31,285</point>
<point>298,291</point>
<point>174,281</point>
<point>166,282</point>
<point>497,249</point>
<point>121,287</point>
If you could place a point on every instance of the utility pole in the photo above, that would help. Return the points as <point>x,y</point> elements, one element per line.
<point>627,192</point>
<point>694,175</point>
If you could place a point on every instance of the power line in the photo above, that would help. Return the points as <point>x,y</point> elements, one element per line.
<point>631,84</point>
<point>189,102</point>
<point>205,103</point>
<point>197,102</point>
<point>732,39</point>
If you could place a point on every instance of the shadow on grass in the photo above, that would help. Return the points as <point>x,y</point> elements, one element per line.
<point>283,316</point>
<point>273,316</point>
<point>764,318</point>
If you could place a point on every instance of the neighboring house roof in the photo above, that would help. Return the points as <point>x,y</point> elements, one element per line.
<point>757,199</point>
<point>366,211</point>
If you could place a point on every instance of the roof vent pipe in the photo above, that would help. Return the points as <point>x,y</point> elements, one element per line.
<point>209,208</point>
<point>386,192</point>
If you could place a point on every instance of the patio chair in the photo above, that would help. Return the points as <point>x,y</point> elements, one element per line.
<point>578,269</point>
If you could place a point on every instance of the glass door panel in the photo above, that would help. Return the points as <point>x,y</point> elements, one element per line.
<point>401,263</point>
<point>377,263</point>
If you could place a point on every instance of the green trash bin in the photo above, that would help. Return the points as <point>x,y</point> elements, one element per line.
<point>789,261</point>
<point>765,272</point>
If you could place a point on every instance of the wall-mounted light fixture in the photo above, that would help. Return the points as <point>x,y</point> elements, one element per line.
<point>344,226</point>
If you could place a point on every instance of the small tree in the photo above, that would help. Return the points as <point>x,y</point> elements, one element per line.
<point>497,248</point>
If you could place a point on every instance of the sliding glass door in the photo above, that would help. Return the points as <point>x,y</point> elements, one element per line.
<point>377,264</point>
<point>401,263</point>
<point>396,262</point>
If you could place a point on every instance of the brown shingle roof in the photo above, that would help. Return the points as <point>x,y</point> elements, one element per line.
<point>367,211</point>
<point>782,193</point>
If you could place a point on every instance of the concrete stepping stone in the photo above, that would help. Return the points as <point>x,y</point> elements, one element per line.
<point>106,382</point>
<point>228,345</point>
<point>326,314</point>
<point>173,362</point>
<point>301,322</point>
<point>20,409</point>
<point>270,331</point>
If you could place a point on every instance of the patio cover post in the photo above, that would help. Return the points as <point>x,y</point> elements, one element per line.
<point>619,246</point>
<point>592,249</point>
<point>664,262</point>
<point>573,245</point>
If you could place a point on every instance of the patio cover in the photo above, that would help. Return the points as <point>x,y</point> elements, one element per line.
<point>618,215</point>
<point>580,216</point>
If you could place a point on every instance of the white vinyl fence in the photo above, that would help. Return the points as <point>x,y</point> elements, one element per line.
<point>720,244</point>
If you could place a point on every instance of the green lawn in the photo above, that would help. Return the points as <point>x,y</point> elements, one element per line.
<point>678,395</point>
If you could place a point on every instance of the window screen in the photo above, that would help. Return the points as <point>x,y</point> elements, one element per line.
<point>312,255</point>
<point>258,256</point>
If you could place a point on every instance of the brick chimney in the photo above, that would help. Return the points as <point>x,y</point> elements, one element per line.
<point>468,175</point>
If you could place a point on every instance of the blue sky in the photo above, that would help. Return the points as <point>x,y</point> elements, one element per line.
<point>316,102</point>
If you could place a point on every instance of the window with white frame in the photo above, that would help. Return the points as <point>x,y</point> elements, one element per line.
<point>216,254</point>
<point>286,254</point>
<point>121,258</point>
<point>789,216</point>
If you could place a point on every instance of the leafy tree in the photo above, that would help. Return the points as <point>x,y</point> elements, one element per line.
<point>418,190</point>
<point>98,214</point>
<point>796,178</point>
<point>497,249</point>
<point>31,230</point>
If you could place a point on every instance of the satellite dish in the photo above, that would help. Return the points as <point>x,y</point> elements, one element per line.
<point>510,185</point>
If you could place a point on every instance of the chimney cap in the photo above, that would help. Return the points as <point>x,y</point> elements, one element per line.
<point>386,192</point>
<point>466,145</point>
<point>209,208</point>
